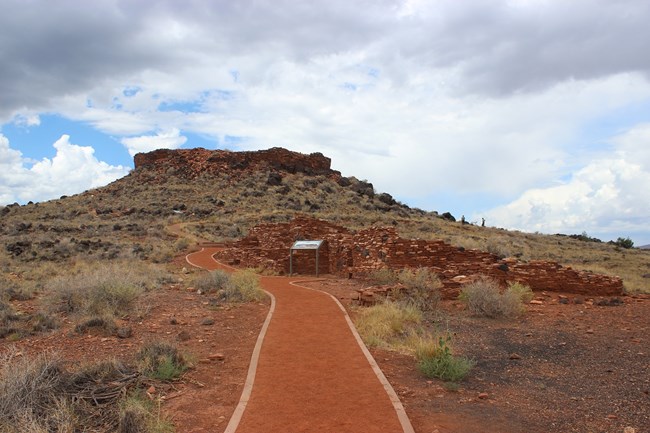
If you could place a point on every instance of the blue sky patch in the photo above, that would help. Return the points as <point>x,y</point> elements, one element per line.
<point>36,142</point>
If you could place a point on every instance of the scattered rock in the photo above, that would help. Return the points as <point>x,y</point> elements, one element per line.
<point>217,356</point>
<point>151,390</point>
<point>564,301</point>
<point>183,336</point>
<point>629,430</point>
<point>207,321</point>
<point>536,302</point>
<point>448,216</point>
<point>514,356</point>
<point>189,289</point>
<point>173,321</point>
<point>274,179</point>
<point>612,302</point>
<point>483,395</point>
<point>124,332</point>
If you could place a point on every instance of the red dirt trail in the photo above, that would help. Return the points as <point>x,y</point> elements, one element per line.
<point>312,375</point>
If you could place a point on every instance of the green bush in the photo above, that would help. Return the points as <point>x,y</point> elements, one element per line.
<point>437,361</point>
<point>485,299</point>
<point>624,243</point>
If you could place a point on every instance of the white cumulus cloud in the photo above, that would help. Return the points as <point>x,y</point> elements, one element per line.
<point>162,140</point>
<point>72,170</point>
<point>609,197</point>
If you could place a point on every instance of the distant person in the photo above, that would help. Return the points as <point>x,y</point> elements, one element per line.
<point>462,219</point>
<point>482,222</point>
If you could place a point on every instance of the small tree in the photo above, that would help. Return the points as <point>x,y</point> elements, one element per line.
<point>624,242</point>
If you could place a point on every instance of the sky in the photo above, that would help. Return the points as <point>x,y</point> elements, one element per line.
<point>532,114</point>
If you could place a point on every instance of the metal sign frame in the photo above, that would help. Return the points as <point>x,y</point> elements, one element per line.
<point>304,245</point>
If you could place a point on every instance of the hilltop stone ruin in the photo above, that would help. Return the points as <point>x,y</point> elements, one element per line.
<point>355,254</point>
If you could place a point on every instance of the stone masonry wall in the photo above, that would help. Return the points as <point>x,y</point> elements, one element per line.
<point>350,254</point>
<point>191,163</point>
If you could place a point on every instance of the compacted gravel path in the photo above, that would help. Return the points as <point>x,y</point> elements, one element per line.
<point>309,372</point>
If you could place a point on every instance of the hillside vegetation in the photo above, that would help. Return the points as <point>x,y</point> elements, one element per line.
<point>130,218</point>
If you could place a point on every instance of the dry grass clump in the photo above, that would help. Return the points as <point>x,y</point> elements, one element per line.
<point>161,360</point>
<point>387,325</point>
<point>383,276</point>
<point>110,289</point>
<point>240,286</point>
<point>16,325</point>
<point>484,298</point>
<point>398,326</point>
<point>420,286</point>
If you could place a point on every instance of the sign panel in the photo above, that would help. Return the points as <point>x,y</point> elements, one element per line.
<point>306,245</point>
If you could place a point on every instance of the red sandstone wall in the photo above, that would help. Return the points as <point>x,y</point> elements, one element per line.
<point>359,253</point>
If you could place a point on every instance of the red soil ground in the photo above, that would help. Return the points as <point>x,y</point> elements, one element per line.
<point>582,367</point>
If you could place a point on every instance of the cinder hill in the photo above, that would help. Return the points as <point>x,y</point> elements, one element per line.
<point>219,195</point>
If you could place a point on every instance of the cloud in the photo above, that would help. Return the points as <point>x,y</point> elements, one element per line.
<point>609,196</point>
<point>53,50</point>
<point>72,170</point>
<point>162,140</point>
<point>424,98</point>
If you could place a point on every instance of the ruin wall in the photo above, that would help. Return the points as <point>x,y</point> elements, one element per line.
<point>357,254</point>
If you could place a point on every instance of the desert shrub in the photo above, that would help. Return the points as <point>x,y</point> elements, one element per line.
<point>212,281</point>
<point>241,286</point>
<point>11,291</point>
<point>40,395</point>
<point>139,414</point>
<point>485,299</point>
<point>244,287</point>
<point>32,394</point>
<point>522,291</point>
<point>42,321</point>
<point>498,248</point>
<point>162,361</point>
<point>383,276</point>
<point>385,324</point>
<point>624,243</point>
<point>181,244</point>
<point>14,326</point>
<point>161,254</point>
<point>436,360</point>
<point>9,322</point>
<point>109,289</point>
<point>104,324</point>
<point>421,288</point>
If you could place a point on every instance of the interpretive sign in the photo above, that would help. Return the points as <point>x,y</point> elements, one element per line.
<point>304,245</point>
